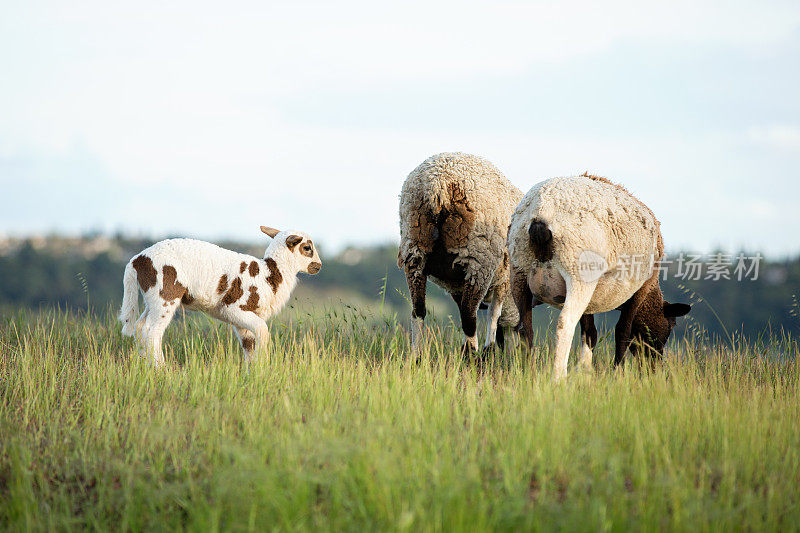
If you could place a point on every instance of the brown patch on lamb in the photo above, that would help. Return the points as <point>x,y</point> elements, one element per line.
<point>308,252</point>
<point>222,286</point>
<point>145,272</point>
<point>234,293</point>
<point>252,300</point>
<point>459,218</point>
<point>253,268</point>
<point>292,241</point>
<point>248,343</point>
<point>187,299</point>
<point>275,277</point>
<point>242,267</point>
<point>171,288</point>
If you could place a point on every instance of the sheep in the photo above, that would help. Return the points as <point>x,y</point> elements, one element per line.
<point>587,245</point>
<point>235,288</point>
<point>454,214</point>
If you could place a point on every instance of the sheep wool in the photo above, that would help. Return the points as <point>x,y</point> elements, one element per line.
<point>587,245</point>
<point>229,286</point>
<point>592,221</point>
<point>455,209</point>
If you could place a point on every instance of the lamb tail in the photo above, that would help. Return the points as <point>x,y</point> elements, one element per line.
<point>130,301</point>
<point>541,240</point>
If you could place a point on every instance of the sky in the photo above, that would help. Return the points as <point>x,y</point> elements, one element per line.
<point>209,120</point>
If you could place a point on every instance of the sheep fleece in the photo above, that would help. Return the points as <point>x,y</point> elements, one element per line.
<point>588,213</point>
<point>479,201</point>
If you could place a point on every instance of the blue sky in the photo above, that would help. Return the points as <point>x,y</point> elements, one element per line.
<point>195,119</point>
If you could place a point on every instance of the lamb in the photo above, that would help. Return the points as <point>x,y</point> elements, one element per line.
<point>454,214</point>
<point>587,245</point>
<point>235,288</point>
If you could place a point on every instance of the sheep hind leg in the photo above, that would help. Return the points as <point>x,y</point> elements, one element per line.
<point>249,326</point>
<point>525,302</point>
<point>158,318</point>
<point>493,333</point>
<point>417,280</point>
<point>140,331</point>
<point>248,341</point>
<point>579,295</point>
<point>588,341</point>
<point>471,298</point>
<point>499,338</point>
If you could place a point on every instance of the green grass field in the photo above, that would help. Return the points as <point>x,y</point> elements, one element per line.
<point>340,430</point>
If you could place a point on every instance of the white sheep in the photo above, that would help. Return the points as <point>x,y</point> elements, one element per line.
<point>236,288</point>
<point>587,246</point>
<point>454,214</point>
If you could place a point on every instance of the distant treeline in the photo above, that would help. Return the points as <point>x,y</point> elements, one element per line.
<point>81,272</point>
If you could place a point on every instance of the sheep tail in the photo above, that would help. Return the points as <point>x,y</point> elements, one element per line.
<point>541,240</point>
<point>130,301</point>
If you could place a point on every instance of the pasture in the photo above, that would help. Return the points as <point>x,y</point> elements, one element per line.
<point>340,430</point>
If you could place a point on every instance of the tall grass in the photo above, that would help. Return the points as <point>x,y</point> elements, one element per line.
<point>340,429</point>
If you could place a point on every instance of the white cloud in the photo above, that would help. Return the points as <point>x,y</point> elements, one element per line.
<point>764,210</point>
<point>777,136</point>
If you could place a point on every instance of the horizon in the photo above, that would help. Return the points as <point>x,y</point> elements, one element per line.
<point>341,248</point>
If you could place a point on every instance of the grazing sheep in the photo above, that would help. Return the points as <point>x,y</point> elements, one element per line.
<point>236,288</point>
<point>454,214</point>
<point>587,246</point>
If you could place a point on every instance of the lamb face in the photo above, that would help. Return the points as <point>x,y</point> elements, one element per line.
<point>306,255</point>
<point>302,253</point>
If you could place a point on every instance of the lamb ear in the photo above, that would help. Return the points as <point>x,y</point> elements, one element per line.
<point>676,310</point>
<point>270,231</point>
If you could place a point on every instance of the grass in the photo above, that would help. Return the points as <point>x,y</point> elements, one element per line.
<point>339,430</point>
